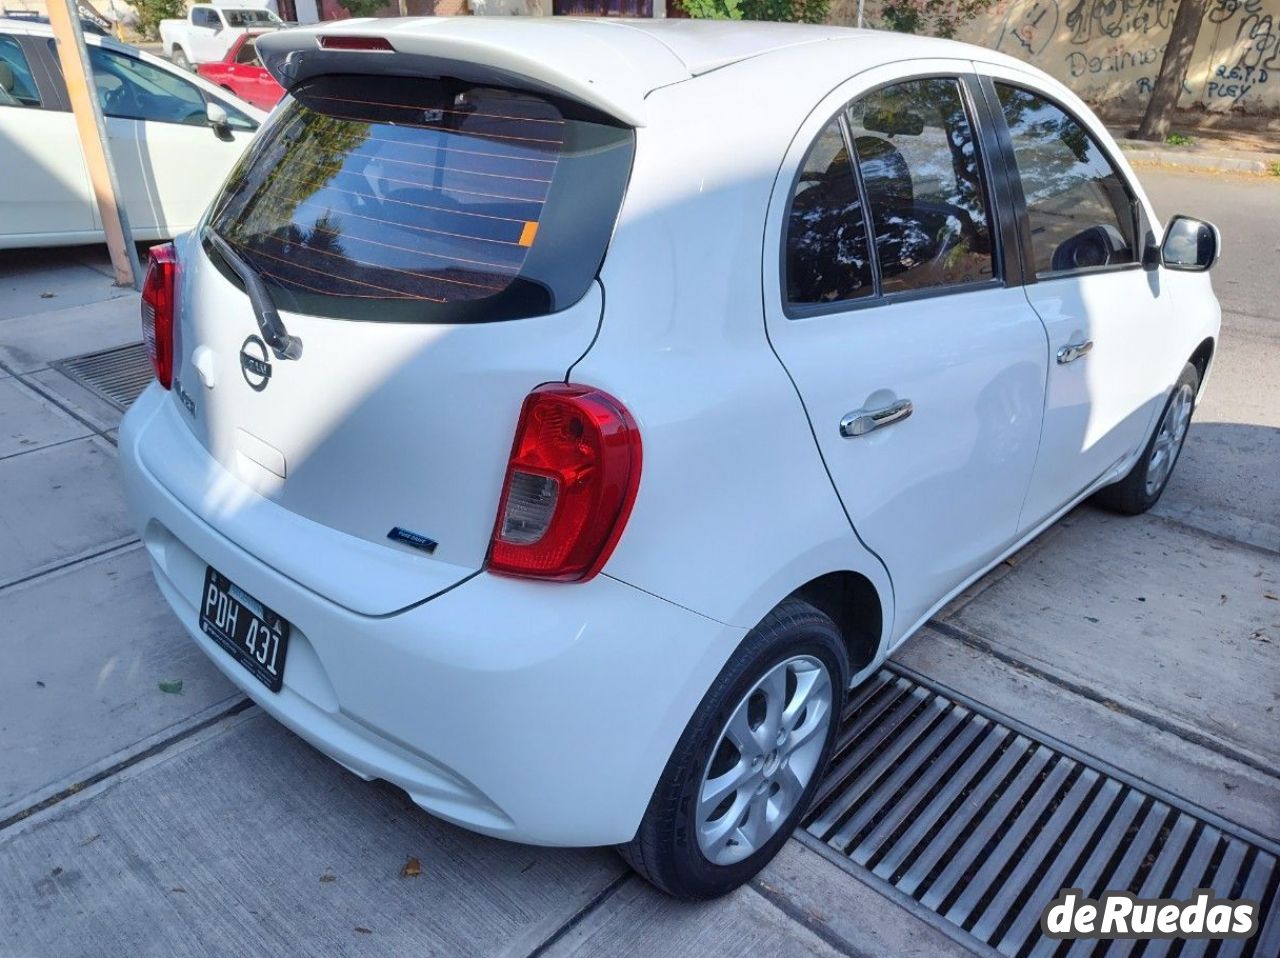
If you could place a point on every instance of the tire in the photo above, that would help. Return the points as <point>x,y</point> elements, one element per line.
<point>1142,487</point>
<point>180,60</point>
<point>802,645</point>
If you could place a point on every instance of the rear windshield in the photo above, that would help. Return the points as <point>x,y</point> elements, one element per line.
<point>429,201</point>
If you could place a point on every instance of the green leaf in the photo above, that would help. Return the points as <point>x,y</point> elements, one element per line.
<point>172,686</point>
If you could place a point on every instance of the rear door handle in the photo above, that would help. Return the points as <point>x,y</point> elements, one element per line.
<point>1074,351</point>
<point>862,421</point>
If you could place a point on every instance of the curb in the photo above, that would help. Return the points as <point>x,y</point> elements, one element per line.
<point>1201,161</point>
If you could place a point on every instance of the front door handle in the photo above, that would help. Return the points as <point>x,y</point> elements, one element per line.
<point>862,421</point>
<point>1074,351</point>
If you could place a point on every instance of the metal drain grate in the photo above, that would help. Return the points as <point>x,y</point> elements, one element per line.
<point>117,375</point>
<point>983,821</point>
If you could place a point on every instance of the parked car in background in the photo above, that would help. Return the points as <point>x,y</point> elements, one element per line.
<point>561,435</point>
<point>31,16</point>
<point>209,31</point>
<point>173,138</point>
<point>242,73</point>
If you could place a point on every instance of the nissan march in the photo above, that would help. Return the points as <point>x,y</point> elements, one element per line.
<point>557,418</point>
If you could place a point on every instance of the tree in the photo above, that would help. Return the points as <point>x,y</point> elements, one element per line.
<point>151,12</point>
<point>792,11</point>
<point>935,18</point>
<point>362,8</point>
<point>1173,70</point>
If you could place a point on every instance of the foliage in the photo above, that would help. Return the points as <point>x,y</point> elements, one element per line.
<point>1275,168</point>
<point>936,18</point>
<point>1178,139</point>
<point>151,12</point>
<point>794,11</point>
<point>362,8</point>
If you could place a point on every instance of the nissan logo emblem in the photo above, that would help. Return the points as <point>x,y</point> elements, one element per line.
<point>254,365</point>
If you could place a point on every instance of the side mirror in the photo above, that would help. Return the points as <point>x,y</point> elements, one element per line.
<point>216,113</point>
<point>1190,245</point>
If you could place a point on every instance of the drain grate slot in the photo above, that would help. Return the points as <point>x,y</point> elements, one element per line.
<point>982,821</point>
<point>116,375</point>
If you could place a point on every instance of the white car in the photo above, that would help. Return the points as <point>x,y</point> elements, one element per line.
<point>209,30</point>
<point>174,138</point>
<point>754,449</point>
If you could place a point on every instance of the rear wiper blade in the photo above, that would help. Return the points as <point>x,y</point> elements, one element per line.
<point>269,322</point>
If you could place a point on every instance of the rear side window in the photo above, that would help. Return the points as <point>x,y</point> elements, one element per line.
<point>920,169</point>
<point>432,201</point>
<point>1078,206</point>
<point>17,86</point>
<point>827,257</point>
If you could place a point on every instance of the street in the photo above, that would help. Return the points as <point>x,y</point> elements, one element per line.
<point>140,821</point>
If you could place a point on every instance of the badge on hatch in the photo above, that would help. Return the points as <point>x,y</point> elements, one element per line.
<point>254,364</point>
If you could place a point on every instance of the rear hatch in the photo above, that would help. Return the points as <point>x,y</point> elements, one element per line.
<point>433,243</point>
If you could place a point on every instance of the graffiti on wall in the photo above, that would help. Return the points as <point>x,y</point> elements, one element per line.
<point>1111,49</point>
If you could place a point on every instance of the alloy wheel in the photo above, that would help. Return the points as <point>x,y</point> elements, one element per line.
<point>1169,437</point>
<point>764,759</point>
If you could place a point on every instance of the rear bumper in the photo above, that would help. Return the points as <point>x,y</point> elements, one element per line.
<point>531,711</point>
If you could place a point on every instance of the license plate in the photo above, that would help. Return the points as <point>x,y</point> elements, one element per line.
<point>255,636</point>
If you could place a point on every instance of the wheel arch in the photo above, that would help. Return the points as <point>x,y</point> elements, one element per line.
<point>851,600</point>
<point>1202,358</point>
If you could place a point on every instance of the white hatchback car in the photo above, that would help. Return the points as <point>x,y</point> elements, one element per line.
<point>787,365</point>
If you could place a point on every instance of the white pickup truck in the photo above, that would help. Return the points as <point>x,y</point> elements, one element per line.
<point>209,31</point>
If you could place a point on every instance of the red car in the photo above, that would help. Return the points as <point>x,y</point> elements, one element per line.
<point>241,72</point>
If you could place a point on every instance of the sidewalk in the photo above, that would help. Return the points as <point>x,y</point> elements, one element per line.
<point>138,822</point>
<point>1210,150</point>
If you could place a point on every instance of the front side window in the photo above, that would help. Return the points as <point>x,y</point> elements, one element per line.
<point>920,170</point>
<point>130,89</point>
<point>827,259</point>
<point>17,86</point>
<point>1077,204</point>
<point>425,200</point>
<point>205,18</point>
<point>248,53</point>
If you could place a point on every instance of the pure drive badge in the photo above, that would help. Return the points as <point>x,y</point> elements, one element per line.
<point>414,539</point>
<point>254,364</point>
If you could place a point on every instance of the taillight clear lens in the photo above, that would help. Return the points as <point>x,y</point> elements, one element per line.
<point>157,311</point>
<point>570,485</point>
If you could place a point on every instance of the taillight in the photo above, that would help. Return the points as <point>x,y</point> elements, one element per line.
<point>570,484</point>
<point>157,311</point>
<point>373,44</point>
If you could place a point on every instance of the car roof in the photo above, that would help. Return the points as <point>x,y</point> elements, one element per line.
<point>611,64</point>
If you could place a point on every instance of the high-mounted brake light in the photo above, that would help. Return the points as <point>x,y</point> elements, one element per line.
<point>570,485</point>
<point>158,302</point>
<point>330,42</point>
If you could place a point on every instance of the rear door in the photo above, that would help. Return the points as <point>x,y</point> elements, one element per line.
<point>1102,312</point>
<point>45,186</point>
<point>434,245</point>
<point>918,358</point>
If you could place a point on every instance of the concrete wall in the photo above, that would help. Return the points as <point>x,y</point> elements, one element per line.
<point>1109,51</point>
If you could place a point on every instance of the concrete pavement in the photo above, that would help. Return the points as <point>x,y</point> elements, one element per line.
<point>138,822</point>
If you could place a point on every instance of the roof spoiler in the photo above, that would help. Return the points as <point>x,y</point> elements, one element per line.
<point>589,74</point>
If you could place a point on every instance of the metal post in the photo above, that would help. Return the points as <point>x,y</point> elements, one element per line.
<point>74,57</point>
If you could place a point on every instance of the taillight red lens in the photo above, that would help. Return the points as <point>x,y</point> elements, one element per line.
<point>157,311</point>
<point>570,485</point>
